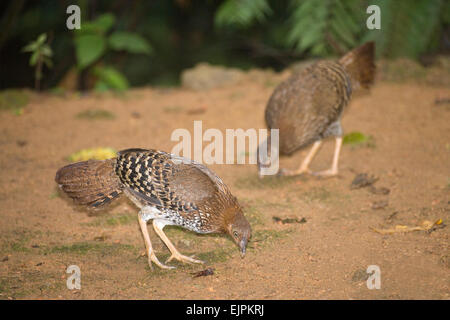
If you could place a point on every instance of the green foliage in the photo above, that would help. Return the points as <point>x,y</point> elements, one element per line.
<point>83,248</point>
<point>324,27</point>
<point>92,42</point>
<point>13,99</point>
<point>354,137</point>
<point>180,34</point>
<point>408,28</point>
<point>100,153</point>
<point>101,25</point>
<point>89,48</point>
<point>241,13</point>
<point>41,54</point>
<point>358,139</point>
<point>110,78</point>
<point>130,42</point>
<point>96,114</point>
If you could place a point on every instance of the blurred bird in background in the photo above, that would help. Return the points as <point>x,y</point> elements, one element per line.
<point>307,107</point>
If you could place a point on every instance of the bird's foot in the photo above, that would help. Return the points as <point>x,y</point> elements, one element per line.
<point>326,173</point>
<point>178,256</point>
<point>290,173</point>
<point>152,258</point>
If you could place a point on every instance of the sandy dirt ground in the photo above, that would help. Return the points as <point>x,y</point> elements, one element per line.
<point>42,232</point>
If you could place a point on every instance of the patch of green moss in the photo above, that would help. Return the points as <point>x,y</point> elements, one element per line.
<point>254,182</point>
<point>120,220</point>
<point>30,284</point>
<point>173,109</point>
<point>253,215</point>
<point>112,221</point>
<point>358,139</point>
<point>13,100</point>
<point>83,248</point>
<point>218,255</point>
<point>17,241</point>
<point>269,235</point>
<point>317,194</point>
<point>11,287</point>
<point>96,114</point>
<point>57,91</point>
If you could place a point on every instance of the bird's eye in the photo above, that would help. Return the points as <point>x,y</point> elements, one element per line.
<point>235,234</point>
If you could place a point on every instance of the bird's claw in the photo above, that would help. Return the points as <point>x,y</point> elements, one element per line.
<point>154,259</point>
<point>183,258</point>
<point>289,173</point>
<point>326,173</point>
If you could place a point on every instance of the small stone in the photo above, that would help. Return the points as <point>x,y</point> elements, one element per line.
<point>379,204</point>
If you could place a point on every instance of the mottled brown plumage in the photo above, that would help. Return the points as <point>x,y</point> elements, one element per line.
<point>169,190</point>
<point>307,107</point>
<point>92,183</point>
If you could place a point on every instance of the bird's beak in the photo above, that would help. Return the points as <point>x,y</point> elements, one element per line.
<point>243,247</point>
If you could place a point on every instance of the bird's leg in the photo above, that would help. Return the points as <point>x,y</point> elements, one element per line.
<point>148,245</point>
<point>334,167</point>
<point>158,225</point>
<point>304,167</point>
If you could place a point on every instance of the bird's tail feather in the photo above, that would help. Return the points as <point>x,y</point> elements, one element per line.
<point>93,183</point>
<point>360,65</point>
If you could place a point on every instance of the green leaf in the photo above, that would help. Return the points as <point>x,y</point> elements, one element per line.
<point>105,21</point>
<point>89,48</point>
<point>101,86</point>
<point>308,25</point>
<point>355,138</point>
<point>130,42</point>
<point>241,13</point>
<point>101,25</point>
<point>34,58</point>
<point>30,47</point>
<point>111,77</point>
<point>99,153</point>
<point>41,39</point>
<point>46,51</point>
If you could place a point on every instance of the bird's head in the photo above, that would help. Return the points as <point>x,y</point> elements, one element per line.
<point>239,229</point>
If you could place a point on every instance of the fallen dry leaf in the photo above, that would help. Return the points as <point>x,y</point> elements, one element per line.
<point>203,273</point>
<point>425,226</point>
<point>288,220</point>
<point>196,110</point>
<point>381,190</point>
<point>363,180</point>
<point>379,204</point>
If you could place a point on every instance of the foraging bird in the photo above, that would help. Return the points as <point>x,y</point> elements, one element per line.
<point>307,107</point>
<point>168,189</point>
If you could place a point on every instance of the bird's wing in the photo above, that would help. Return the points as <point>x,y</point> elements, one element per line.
<point>91,183</point>
<point>307,103</point>
<point>205,170</point>
<point>165,181</point>
<point>142,172</point>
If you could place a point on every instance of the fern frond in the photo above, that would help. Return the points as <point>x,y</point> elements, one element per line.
<point>407,27</point>
<point>241,13</point>
<point>322,25</point>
